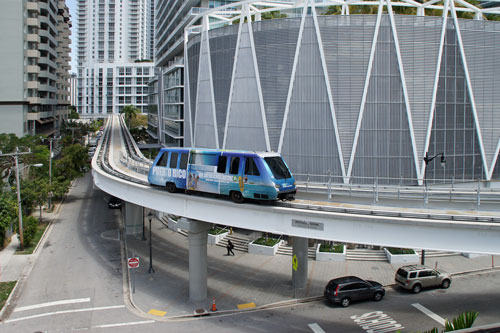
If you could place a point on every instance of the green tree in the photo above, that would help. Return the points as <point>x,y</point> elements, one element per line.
<point>130,112</point>
<point>8,214</point>
<point>73,114</point>
<point>72,162</point>
<point>36,192</point>
<point>60,186</point>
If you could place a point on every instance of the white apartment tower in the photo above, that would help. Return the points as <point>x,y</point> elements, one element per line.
<point>114,55</point>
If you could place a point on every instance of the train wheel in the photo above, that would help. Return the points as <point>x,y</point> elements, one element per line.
<point>237,197</point>
<point>171,187</point>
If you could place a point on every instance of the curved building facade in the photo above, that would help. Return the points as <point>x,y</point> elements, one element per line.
<point>351,98</point>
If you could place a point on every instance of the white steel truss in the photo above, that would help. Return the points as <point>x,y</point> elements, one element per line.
<point>246,12</point>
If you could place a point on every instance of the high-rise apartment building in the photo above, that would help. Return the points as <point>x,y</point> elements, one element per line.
<point>114,55</point>
<point>166,112</point>
<point>34,86</point>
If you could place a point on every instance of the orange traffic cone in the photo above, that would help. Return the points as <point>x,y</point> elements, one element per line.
<point>214,308</point>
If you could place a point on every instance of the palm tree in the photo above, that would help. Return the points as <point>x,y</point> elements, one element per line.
<point>130,112</point>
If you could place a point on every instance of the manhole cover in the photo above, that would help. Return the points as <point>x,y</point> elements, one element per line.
<point>200,312</point>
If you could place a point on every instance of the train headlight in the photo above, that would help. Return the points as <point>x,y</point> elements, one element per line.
<point>277,186</point>
<point>294,183</point>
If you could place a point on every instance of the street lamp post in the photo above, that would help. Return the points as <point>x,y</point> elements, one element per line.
<point>50,171</point>
<point>427,159</point>
<point>151,269</point>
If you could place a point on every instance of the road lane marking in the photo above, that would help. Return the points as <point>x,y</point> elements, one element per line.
<point>42,305</point>
<point>65,311</point>
<point>246,306</point>
<point>377,322</point>
<point>315,328</point>
<point>157,313</point>
<point>429,313</point>
<point>125,324</point>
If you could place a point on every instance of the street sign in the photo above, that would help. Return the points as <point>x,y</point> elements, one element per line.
<point>295,262</point>
<point>133,262</point>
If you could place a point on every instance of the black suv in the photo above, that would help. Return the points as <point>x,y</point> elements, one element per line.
<point>114,202</point>
<point>345,289</point>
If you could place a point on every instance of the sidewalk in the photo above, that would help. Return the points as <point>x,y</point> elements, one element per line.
<point>238,281</point>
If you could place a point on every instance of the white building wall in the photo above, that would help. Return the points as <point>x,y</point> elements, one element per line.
<point>111,34</point>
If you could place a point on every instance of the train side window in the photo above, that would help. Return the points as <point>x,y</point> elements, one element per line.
<point>173,160</point>
<point>235,165</point>
<point>251,168</point>
<point>163,159</point>
<point>221,166</point>
<point>184,161</point>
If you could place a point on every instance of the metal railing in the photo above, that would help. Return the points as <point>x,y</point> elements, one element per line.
<point>401,188</point>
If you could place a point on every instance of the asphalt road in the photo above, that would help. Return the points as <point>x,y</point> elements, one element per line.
<point>76,284</point>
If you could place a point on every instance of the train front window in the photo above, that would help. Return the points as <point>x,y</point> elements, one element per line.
<point>278,167</point>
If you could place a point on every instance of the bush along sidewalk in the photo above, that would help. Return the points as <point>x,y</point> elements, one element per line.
<point>32,233</point>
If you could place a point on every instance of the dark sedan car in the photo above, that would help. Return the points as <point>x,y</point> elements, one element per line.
<point>114,202</point>
<point>345,289</point>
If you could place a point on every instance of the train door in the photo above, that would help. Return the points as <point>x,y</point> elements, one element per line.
<point>234,171</point>
<point>251,178</point>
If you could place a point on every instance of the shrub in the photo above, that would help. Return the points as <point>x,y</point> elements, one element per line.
<point>29,230</point>
<point>395,250</point>
<point>266,242</point>
<point>338,248</point>
<point>216,231</point>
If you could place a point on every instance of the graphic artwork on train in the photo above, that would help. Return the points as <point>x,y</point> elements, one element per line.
<point>238,174</point>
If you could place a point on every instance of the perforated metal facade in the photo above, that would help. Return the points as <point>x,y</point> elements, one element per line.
<point>354,98</point>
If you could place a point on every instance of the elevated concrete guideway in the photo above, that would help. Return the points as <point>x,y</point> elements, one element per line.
<point>436,234</point>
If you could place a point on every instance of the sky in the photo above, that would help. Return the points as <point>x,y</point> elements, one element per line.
<point>72,10</point>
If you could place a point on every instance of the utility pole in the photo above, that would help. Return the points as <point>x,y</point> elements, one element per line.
<point>19,213</point>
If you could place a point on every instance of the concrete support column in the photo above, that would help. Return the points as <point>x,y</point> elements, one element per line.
<point>133,216</point>
<point>197,237</point>
<point>299,262</point>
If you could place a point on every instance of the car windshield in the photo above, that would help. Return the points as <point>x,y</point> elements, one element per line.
<point>278,167</point>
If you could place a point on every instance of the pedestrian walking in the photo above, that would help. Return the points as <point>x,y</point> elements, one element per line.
<point>230,247</point>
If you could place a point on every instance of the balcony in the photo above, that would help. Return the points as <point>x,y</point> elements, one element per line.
<point>32,6</point>
<point>32,22</point>
<point>32,85</point>
<point>33,38</point>
<point>32,69</point>
<point>33,100</point>
<point>33,53</point>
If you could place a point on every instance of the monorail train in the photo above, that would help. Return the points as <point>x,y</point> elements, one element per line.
<point>238,174</point>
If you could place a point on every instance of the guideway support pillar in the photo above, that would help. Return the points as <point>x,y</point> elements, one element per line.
<point>299,262</point>
<point>133,217</point>
<point>197,238</point>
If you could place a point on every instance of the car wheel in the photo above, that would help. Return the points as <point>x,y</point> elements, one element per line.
<point>445,284</point>
<point>416,288</point>
<point>345,302</point>
<point>237,197</point>
<point>378,296</point>
<point>171,187</point>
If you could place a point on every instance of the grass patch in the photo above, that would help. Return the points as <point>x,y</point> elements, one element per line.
<point>217,231</point>
<point>339,248</point>
<point>394,250</point>
<point>5,290</point>
<point>39,232</point>
<point>266,242</point>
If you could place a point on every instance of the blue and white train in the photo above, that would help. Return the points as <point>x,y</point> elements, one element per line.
<point>238,174</point>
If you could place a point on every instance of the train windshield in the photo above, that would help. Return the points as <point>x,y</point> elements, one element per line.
<point>278,167</point>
